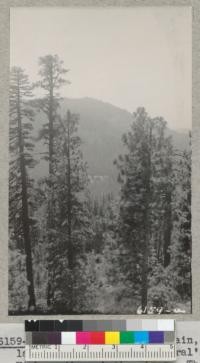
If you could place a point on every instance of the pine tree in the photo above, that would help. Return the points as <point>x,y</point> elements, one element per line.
<point>145,173</point>
<point>72,223</point>
<point>112,285</point>
<point>21,149</point>
<point>100,287</point>
<point>51,80</point>
<point>181,248</point>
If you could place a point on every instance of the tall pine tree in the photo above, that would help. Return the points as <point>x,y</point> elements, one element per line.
<point>72,223</point>
<point>51,74</point>
<point>181,248</point>
<point>145,174</point>
<point>21,151</point>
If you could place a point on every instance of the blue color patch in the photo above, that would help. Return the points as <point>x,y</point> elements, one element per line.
<point>141,337</point>
<point>156,337</point>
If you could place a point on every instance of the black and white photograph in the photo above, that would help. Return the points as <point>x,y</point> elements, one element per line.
<point>100,139</point>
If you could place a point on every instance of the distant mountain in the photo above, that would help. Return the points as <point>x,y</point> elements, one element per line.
<point>101,127</point>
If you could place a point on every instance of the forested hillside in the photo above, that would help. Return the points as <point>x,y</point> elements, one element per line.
<point>99,204</point>
<point>101,127</point>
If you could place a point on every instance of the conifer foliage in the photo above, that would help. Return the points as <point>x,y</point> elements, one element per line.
<point>51,73</point>
<point>71,251</point>
<point>21,160</point>
<point>72,228</point>
<point>149,189</point>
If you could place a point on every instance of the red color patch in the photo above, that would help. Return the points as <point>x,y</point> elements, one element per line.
<point>97,337</point>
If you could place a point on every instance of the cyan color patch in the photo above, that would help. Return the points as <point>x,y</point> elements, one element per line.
<point>141,337</point>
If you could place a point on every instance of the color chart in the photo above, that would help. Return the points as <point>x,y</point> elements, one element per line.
<point>142,339</point>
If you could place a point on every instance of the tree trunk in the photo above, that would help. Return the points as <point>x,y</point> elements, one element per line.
<point>144,298</point>
<point>167,231</point>
<point>50,292</point>
<point>69,212</point>
<point>50,116</point>
<point>147,233</point>
<point>25,213</point>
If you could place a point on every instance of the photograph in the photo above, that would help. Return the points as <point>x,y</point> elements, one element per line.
<point>100,149</point>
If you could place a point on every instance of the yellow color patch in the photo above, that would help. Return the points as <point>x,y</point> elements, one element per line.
<point>112,337</point>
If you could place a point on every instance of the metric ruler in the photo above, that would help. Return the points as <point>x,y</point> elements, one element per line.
<point>63,353</point>
<point>130,340</point>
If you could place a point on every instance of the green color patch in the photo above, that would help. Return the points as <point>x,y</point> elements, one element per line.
<point>126,337</point>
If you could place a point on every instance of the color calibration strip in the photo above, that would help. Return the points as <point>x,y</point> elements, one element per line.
<point>102,340</point>
<point>99,325</point>
<point>108,337</point>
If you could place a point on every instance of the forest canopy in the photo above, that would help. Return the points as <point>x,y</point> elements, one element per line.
<point>126,250</point>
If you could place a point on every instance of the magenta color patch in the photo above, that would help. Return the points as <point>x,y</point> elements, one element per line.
<point>83,337</point>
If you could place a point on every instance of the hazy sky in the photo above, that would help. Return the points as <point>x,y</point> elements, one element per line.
<point>129,57</point>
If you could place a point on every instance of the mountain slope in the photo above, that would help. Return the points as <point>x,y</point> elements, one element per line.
<point>101,127</point>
